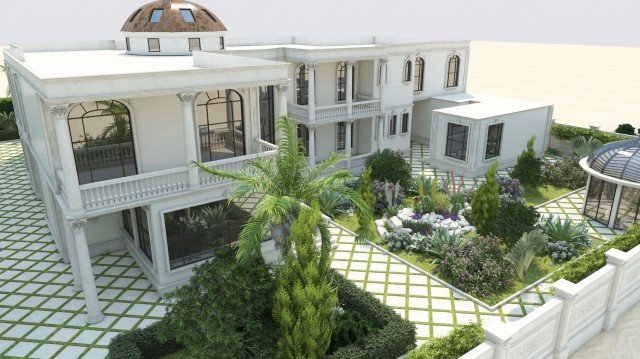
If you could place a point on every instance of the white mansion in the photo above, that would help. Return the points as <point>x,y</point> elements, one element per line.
<point>109,128</point>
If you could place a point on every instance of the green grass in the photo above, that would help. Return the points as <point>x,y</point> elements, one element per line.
<point>542,194</point>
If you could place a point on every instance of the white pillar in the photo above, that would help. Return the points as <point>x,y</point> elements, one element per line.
<point>348,144</point>
<point>380,131</point>
<point>567,291</point>
<point>349,93</point>
<point>615,206</point>
<point>190,143</point>
<point>312,145</point>
<point>282,99</point>
<point>73,258</point>
<point>94,313</point>
<point>383,83</point>
<point>619,260</point>
<point>311,93</point>
<point>68,163</point>
<point>586,193</point>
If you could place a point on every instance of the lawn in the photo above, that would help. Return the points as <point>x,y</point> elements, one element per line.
<point>542,194</point>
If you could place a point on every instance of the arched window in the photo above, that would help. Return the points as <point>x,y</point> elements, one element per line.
<point>453,68</point>
<point>220,118</point>
<point>102,141</point>
<point>407,71</point>
<point>302,85</point>
<point>342,82</point>
<point>418,76</point>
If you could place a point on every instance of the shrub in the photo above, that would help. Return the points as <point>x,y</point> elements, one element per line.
<point>6,104</point>
<point>626,129</point>
<point>458,201</point>
<point>485,202</point>
<point>421,227</point>
<point>143,343</point>
<point>349,327</point>
<point>398,241</point>
<point>565,173</point>
<point>528,167</point>
<point>421,185</point>
<point>442,240</point>
<point>566,230</point>
<point>477,266</point>
<point>515,217</point>
<point>388,165</point>
<point>561,251</point>
<point>332,204</point>
<point>423,204</point>
<point>441,203</point>
<point>365,188</point>
<point>509,187</point>
<point>235,300</point>
<point>395,335</point>
<point>588,263</point>
<point>566,132</point>
<point>523,251</point>
<point>387,195</point>
<point>453,345</point>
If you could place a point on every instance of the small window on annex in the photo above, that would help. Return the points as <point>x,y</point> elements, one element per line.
<point>418,77</point>
<point>267,115</point>
<point>453,69</point>
<point>222,43</point>
<point>457,136</point>
<point>393,124</point>
<point>404,128</point>
<point>154,44</point>
<point>187,16</point>
<point>494,140</point>
<point>156,15</point>
<point>303,135</point>
<point>302,85</point>
<point>102,141</point>
<point>128,43</point>
<point>600,200</point>
<point>629,208</point>
<point>194,234</point>
<point>194,44</point>
<point>220,118</point>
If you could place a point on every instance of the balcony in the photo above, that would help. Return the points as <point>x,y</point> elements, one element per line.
<point>361,107</point>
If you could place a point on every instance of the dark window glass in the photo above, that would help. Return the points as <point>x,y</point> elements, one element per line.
<point>457,136</point>
<point>154,45</point>
<point>341,136</point>
<point>418,77</point>
<point>342,81</point>
<point>407,71</point>
<point>126,40</point>
<point>303,135</point>
<point>220,118</point>
<point>194,234</point>
<point>222,43</point>
<point>267,114</point>
<point>135,14</point>
<point>156,15</point>
<point>405,123</point>
<point>128,223</point>
<point>494,140</point>
<point>600,200</point>
<point>453,68</point>
<point>393,125</point>
<point>187,16</point>
<point>302,85</point>
<point>629,208</point>
<point>194,44</point>
<point>143,232</point>
<point>213,18</point>
<point>102,141</point>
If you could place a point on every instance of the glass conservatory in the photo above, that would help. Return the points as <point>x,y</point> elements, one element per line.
<point>612,195</point>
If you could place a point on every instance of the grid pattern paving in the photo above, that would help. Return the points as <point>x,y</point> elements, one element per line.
<point>41,316</point>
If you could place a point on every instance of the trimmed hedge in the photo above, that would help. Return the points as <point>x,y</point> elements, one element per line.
<point>566,132</point>
<point>453,345</point>
<point>6,104</point>
<point>588,263</point>
<point>395,336</point>
<point>142,344</point>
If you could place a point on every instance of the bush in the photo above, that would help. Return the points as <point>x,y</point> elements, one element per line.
<point>421,227</point>
<point>565,132</point>
<point>453,345</point>
<point>509,187</point>
<point>477,266</point>
<point>142,343</point>
<point>387,195</point>
<point>528,168</point>
<point>224,310</point>
<point>561,251</point>
<point>626,129</point>
<point>403,241</point>
<point>565,173</point>
<point>395,335</point>
<point>388,165</point>
<point>6,104</point>
<point>566,230</point>
<point>349,327</point>
<point>485,202</point>
<point>588,263</point>
<point>514,219</point>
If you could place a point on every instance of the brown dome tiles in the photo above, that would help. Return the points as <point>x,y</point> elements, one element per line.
<point>172,20</point>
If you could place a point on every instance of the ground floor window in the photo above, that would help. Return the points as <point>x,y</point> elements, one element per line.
<point>599,202</point>
<point>128,222</point>
<point>195,233</point>
<point>494,139</point>
<point>393,124</point>
<point>457,136</point>
<point>341,136</point>
<point>629,208</point>
<point>303,135</point>
<point>143,232</point>
<point>405,123</point>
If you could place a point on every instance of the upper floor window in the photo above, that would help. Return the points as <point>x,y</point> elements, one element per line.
<point>457,136</point>
<point>404,128</point>
<point>267,114</point>
<point>494,140</point>
<point>187,16</point>
<point>102,141</point>
<point>194,44</point>
<point>342,82</point>
<point>154,45</point>
<point>407,71</point>
<point>128,222</point>
<point>393,124</point>
<point>380,73</point>
<point>418,77</point>
<point>302,85</point>
<point>220,118</point>
<point>453,69</point>
<point>156,15</point>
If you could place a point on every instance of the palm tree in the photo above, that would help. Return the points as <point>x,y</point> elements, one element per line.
<point>120,127</point>
<point>284,183</point>
<point>584,147</point>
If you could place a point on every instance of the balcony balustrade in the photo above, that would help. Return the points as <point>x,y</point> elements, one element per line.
<point>362,107</point>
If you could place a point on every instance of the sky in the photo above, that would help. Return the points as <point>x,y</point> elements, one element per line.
<point>585,22</point>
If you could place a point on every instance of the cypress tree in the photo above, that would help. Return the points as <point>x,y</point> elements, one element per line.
<point>528,168</point>
<point>485,202</point>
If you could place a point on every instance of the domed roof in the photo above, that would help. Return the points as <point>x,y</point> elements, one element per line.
<point>619,159</point>
<point>172,16</point>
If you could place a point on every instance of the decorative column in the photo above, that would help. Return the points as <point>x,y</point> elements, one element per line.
<point>65,149</point>
<point>190,143</point>
<point>311,93</point>
<point>383,83</point>
<point>380,130</point>
<point>282,103</point>
<point>94,313</point>
<point>348,144</point>
<point>567,291</point>
<point>349,93</point>
<point>619,260</point>
<point>312,145</point>
<point>73,258</point>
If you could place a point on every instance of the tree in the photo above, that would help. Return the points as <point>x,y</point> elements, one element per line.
<point>528,168</point>
<point>389,165</point>
<point>486,201</point>
<point>584,147</point>
<point>626,129</point>
<point>365,188</point>
<point>283,183</point>
<point>304,299</point>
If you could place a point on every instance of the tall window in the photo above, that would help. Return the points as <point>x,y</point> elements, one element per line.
<point>341,136</point>
<point>267,114</point>
<point>194,44</point>
<point>342,82</point>
<point>128,222</point>
<point>303,135</point>
<point>418,76</point>
<point>457,136</point>
<point>195,234</point>
<point>143,232</point>
<point>222,43</point>
<point>220,118</point>
<point>154,45</point>
<point>453,69</point>
<point>407,71</point>
<point>393,124</point>
<point>302,85</point>
<point>404,128</point>
<point>128,43</point>
<point>494,140</point>
<point>629,208</point>
<point>102,141</point>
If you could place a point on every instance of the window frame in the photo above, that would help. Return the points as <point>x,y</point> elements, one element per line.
<point>153,12</point>
<point>408,71</point>
<point>341,82</point>
<point>341,131</point>
<point>221,42</point>
<point>212,101</point>
<point>451,141</point>
<point>127,222</point>
<point>404,123</point>
<point>191,48</point>
<point>141,230</point>
<point>182,13</point>
<point>455,60</point>
<point>149,44</point>
<point>302,85</point>
<point>267,120</point>
<point>128,43</point>
<point>498,149</point>
<point>393,125</point>
<point>418,75</point>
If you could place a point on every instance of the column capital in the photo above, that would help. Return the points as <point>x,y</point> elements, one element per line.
<point>383,60</point>
<point>59,110</point>
<point>79,225</point>
<point>310,65</point>
<point>349,121</point>
<point>350,63</point>
<point>187,97</point>
<point>282,88</point>
<point>311,126</point>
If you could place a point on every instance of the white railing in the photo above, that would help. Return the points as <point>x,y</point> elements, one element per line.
<point>103,156</point>
<point>364,108</point>
<point>331,113</point>
<point>298,112</point>
<point>266,146</point>
<point>232,164</point>
<point>144,186</point>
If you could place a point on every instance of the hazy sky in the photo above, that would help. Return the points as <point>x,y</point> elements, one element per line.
<point>612,22</point>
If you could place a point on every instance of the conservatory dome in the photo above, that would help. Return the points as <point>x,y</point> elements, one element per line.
<point>620,160</point>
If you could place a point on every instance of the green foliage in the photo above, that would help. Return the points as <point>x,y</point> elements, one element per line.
<point>584,147</point>
<point>566,132</point>
<point>389,165</point>
<point>559,230</point>
<point>457,200</point>
<point>523,251</point>
<point>441,241</point>
<point>423,204</point>
<point>6,104</point>
<point>441,203</point>
<point>485,202</point>
<point>422,185</point>
<point>349,327</point>
<point>395,335</point>
<point>515,217</point>
<point>528,168</point>
<point>224,311</point>
<point>588,263</point>
<point>565,173</point>
<point>8,126</point>
<point>304,299</point>
<point>365,188</point>
<point>453,345</point>
<point>142,343</point>
<point>626,129</point>
<point>331,204</point>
